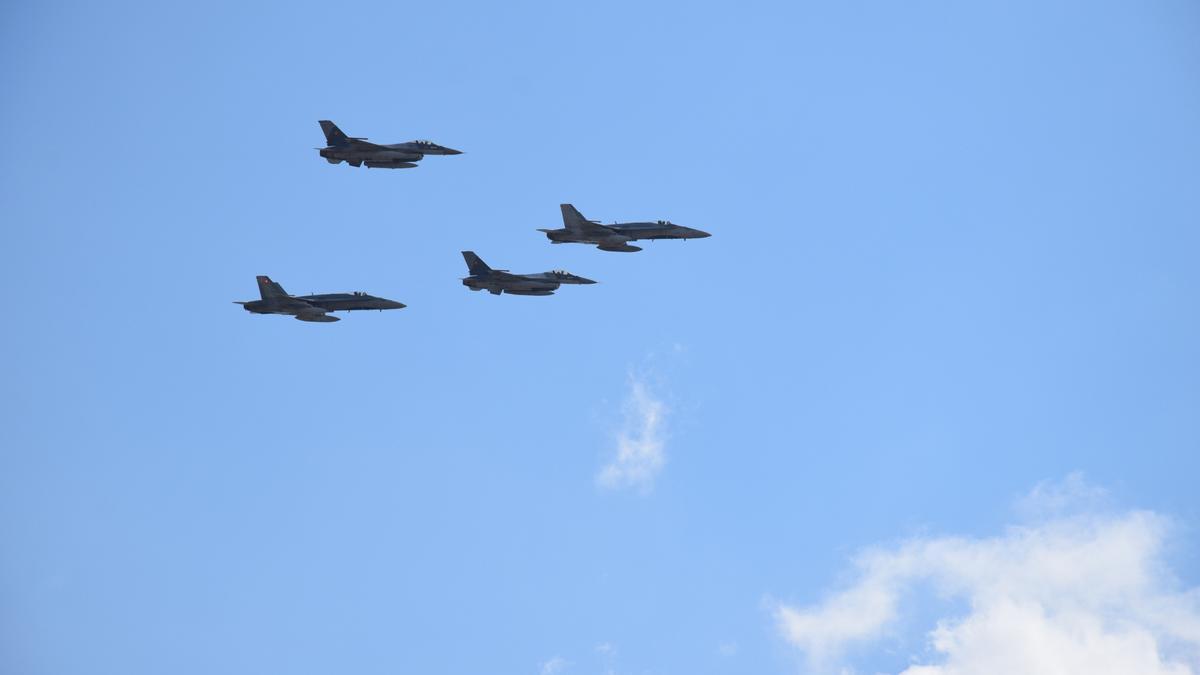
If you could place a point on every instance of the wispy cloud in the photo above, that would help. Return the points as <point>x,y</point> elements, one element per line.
<point>554,666</point>
<point>640,452</point>
<point>1087,593</point>
<point>1057,498</point>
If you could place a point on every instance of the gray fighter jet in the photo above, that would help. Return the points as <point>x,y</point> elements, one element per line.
<point>502,281</point>
<point>357,151</point>
<point>615,237</point>
<point>314,308</point>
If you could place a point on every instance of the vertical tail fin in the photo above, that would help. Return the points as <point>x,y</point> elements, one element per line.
<point>333,135</point>
<point>475,264</point>
<point>572,218</point>
<point>270,290</point>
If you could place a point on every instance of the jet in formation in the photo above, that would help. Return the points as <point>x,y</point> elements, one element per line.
<point>502,281</point>
<point>314,308</point>
<point>615,237</point>
<point>358,151</point>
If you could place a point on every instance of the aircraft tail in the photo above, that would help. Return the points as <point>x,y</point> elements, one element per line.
<point>333,135</point>
<point>475,264</point>
<point>572,218</point>
<point>269,290</point>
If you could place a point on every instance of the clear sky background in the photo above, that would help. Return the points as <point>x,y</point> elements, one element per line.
<point>953,257</point>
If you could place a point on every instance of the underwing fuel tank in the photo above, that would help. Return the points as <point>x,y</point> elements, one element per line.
<point>388,164</point>
<point>316,317</point>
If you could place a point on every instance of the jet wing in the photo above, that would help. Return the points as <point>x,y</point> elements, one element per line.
<point>292,303</point>
<point>360,144</point>
<point>589,229</point>
<point>309,310</point>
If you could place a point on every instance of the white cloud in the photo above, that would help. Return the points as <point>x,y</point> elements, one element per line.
<point>554,666</point>
<point>641,444</point>
<point>1087,594</point>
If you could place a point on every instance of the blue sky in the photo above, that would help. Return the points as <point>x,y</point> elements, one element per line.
<point>953,260</point>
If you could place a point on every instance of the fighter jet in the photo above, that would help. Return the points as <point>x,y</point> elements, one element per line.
<point>502,281</point>
<point>314,308</point>
<point>357,151</point>
<point>615,237</point>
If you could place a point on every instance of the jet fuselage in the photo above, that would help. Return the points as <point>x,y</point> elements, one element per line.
<point>358,151</point>
<point>274,300</point>
<point>615,237</point>
<point>484,278</point>
<point>628,231</point>
<point>512,286</point>
<point>329,302</point>
<point>376,158</point>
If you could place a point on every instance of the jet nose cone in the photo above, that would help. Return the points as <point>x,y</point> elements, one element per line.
<point>452,151</point>
<point>392,304</point>
<point>700,234</point>
<point>585,280</point>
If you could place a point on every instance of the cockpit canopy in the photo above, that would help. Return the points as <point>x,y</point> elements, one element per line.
<point>425,143</point>
<point>560,273</point>
<point>360,293</point>
<point>665,222</point>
